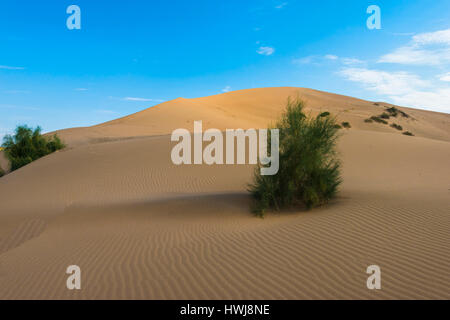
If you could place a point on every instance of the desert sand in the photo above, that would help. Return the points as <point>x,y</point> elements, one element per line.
<point>140,227</point>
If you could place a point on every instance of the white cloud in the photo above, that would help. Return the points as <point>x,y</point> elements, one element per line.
<point>437,37</point>
<point>11,68</point>
<point>17,91</point>
<point>351,61</point>
<point>444,77</point>
<point>226,89</point>
<point>106,112</point>
<point>265,51</point>
<point>431,49</point>
<point>305,60</point>
<point>317,60</point>
<point>402,88</point>
<point>141,99</point>
<point>390,83</point>
<point>281,5</point>
<point>331,57</point>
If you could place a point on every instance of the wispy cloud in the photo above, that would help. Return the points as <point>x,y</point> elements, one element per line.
<point>18,107</point>
<point>226,89</point>
<point>318,60</point>
<point>428,49</point>
<point>265,51</point>
<point>352,61</point>
<point>281,5</point>
<point>305,60</point>
<point>11,68</point>
<point>331,57</point>
<point>141,99</point>
<point>16,91</point>
<point>106,112</point>
<point>445,77</point>
<point>402,88</point>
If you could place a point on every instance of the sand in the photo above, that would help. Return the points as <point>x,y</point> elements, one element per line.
<point>140,227</point>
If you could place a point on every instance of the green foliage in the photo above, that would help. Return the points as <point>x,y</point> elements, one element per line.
<point>27,145</point>
<point>396,126</point>
<point>378,119</point>
<point>407,133</point>
<point>324,114</point>
<point>393,111</point>
<point>368,121</point>
<point>346,125</point>
<point>309,171</point>
<point>337,126</point>
<point>384,115</point>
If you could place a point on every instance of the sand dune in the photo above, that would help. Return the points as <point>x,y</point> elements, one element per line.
<point>142,228</point>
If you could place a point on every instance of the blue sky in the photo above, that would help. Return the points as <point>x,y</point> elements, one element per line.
<point>130,55</point>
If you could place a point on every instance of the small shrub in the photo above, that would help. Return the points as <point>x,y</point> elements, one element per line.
<point>28,145</point>
<point>405,115</point>
<point>393,111</point>
<point>324,114</point>
<point>346,125</point>
<point>368,121</point>
<point>377,104</point>
<point>337,126</point>
<point>378,119</point>
<point>396,126</point>
<point>407,133</point>
<point>384,115</point>
<point>309,171</point>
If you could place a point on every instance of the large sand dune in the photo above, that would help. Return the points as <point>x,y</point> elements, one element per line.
<point>142,228</point>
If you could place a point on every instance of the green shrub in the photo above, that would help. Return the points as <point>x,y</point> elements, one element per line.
<point>384,115</point>
<point>346,125</point>
<point>324,114</point>
<point>28,145</point>
<point>407,133</point>
<point>309,172</point>
<point>396,126</point>
<point>393,111</point>
<point>337,126</point>
<point>368,121</point>
<point>378,119</point>
<point>405,115</point>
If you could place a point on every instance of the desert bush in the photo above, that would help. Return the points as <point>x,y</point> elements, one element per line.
<point>337,126</point>
<point>393,111</point>
<point>309,171</point>
<point>384,115</point>
<point>346,125</point>
<point>368,121</point>
<point>407,133</point>
<point>324,114</point>
<point>396,126</point>
<point>27,145</point>
<point>378,119</point>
